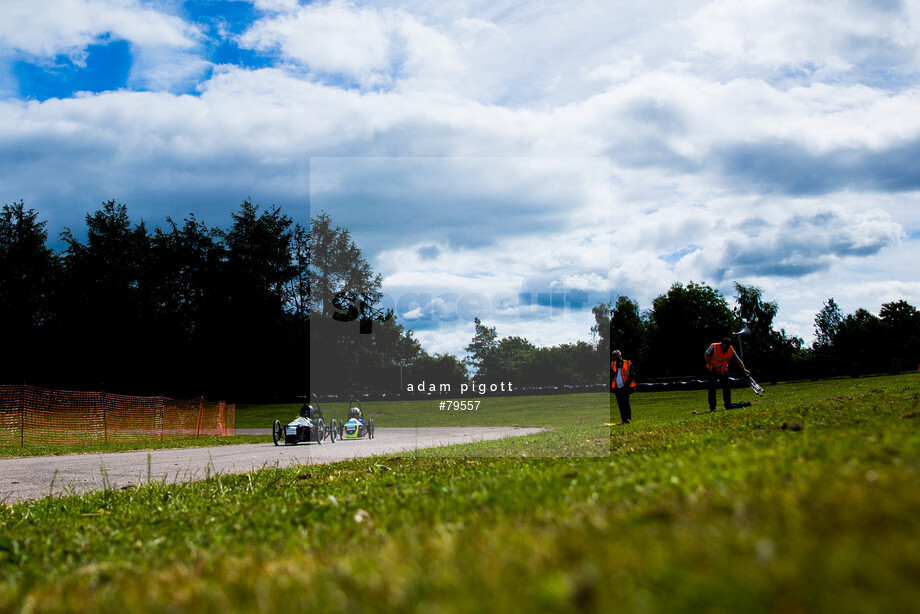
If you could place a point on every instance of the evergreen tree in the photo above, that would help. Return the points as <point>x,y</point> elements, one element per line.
<point>343,294</point>
<point>252,321</point>
<point>28,270</point>
<point>342,284</point>
<point>187,291</point>
<point>827,322</point>
<point>101,305</point>
<point>481,350</point>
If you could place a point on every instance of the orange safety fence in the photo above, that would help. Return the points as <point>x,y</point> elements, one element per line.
<point>39,416</point>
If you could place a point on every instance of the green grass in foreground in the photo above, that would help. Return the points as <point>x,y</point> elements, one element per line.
<point>808,501</point>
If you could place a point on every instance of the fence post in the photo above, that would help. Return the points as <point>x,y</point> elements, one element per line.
<point>22,417</point>
<point>200,409</point>
<point>105,425</point>
<point>50,405</point>
<point>223,418</point>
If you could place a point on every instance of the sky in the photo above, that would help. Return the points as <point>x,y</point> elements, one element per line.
<point>513,160</point>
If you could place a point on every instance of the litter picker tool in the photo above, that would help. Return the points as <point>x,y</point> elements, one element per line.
<point>758,390</point>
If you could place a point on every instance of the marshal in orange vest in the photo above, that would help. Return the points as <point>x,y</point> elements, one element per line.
<point>625,371</point>
<point>719,359</point>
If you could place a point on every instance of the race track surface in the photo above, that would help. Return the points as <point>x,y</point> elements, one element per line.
<point>36,477</point>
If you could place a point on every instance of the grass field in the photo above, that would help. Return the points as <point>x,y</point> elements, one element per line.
<point>492,411</point>
<point>808,501</point>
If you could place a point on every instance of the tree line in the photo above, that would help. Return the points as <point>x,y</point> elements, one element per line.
<point>668,339</point>
<point>261,309</point>
<point>180,309</point>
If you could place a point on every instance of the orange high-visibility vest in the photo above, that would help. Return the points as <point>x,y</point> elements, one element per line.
<point>625,370</point>
<point>719,361</point>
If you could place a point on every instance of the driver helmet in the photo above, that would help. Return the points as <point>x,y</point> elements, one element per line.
<point>306,411</point>
<point>354,412</point>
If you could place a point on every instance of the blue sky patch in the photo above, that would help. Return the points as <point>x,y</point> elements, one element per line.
<point>106,68</point>
<point>675,256</point>
<point>233,17</point>
<point>222,21</point>
<point>228,52</point>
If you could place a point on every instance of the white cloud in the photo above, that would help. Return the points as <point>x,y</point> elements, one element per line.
<point>278,6</point>
<point>414,314</point>
<point>814,39</point>
<point>451,341</point>
<point>373,47</point>
<point>431,61</point>
<point>164,69</point>
<point>337,37</point>
<point>67,26</point>
<point>590,281</point>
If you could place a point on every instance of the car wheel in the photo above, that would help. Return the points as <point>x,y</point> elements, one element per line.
<point>277,432</point>
<point>333,430</point>
<point>320,429</point>
<point>370,429</point>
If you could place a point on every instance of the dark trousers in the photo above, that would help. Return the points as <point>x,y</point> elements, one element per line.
<point>622,395</point>
<point>719,379</point>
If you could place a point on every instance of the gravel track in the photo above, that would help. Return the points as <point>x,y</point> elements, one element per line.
<point>36,477</point>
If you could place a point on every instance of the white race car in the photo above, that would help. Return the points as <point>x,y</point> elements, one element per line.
<point>309,427</point>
